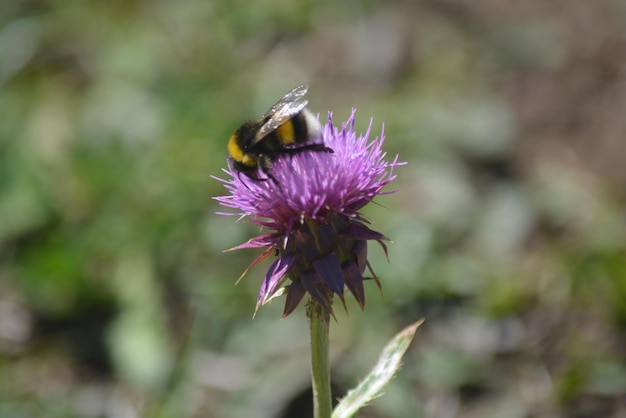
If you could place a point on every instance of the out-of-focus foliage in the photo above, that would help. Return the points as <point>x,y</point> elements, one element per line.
<point>116,299</point>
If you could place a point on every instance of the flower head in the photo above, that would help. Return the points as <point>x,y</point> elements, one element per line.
<point>311,213</point>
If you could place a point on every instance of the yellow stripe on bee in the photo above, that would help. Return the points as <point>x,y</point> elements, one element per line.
<point>286,133</point>
<point>237,154</point>
<point>234,150</point>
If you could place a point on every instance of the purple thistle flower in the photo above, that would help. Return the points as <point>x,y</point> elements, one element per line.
<point>312,215</point>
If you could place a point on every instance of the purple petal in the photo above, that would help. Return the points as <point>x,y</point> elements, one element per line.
<point>273,277</point>
<point>329,269</point>
<point>318,290</point>
<point>354,283</point>
<point>295,293</point>
<point>256,261</point>
<point>360,249</point>
<point>384,246</point>
<point>374,277</point>
<point>357,230</point>
<point>256,242</point>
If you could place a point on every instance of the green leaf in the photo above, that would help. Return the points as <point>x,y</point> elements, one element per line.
<point>372,386</point>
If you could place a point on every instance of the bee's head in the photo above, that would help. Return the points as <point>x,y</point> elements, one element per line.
<point>245,134</point>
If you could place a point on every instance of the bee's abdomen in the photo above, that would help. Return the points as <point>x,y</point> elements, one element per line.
<point>288,132</point>
<point>303,127</point>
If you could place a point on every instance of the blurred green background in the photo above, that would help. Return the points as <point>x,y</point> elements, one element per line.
<point>116,300</point>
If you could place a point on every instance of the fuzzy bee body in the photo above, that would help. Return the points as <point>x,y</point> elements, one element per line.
<point>287,128</point>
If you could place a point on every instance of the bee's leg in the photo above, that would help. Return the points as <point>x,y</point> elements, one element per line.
<point>318,148</point>
<point>307,147</point>
<point>271,177</point>
<point>242,181</point>
<point>265,165</point>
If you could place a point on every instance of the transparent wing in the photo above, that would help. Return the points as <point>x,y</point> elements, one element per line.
<point>286,108</point>
<point>290,97</point>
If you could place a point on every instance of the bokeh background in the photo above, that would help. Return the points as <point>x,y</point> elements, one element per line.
<point>116,300</point>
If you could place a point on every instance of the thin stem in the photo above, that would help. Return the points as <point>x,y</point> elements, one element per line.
<point>320,366</point>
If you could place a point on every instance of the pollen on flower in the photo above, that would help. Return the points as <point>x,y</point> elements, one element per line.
<point>311,213</point>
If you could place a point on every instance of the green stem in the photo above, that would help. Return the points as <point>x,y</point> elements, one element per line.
<point>320,366</point>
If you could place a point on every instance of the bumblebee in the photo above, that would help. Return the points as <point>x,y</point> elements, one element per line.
<point>287,128</point>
